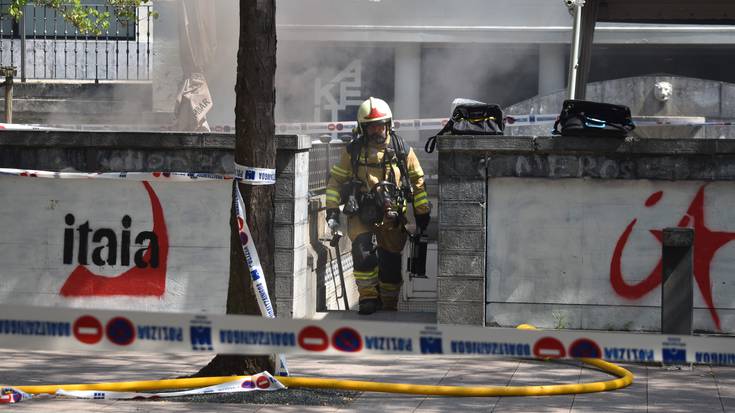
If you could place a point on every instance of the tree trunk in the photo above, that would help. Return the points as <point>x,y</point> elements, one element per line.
<point>254,146</point>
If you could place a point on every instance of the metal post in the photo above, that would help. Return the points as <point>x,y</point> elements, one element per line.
<point>677,300</point>
<point>22,29</point>
<point>575,7</point>
<point>8,72</point>
<point>8,99</point>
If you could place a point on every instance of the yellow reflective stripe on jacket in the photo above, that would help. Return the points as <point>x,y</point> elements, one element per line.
<point>420,199</point>
<point>389,287</point>
<point>333,195</point>
<point>365,275</point>
<point>420,202</point>
<point>336,170</point>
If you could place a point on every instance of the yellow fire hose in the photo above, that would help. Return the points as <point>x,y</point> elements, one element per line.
<point>625,378</point>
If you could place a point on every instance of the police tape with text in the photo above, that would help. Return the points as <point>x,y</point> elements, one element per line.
<point>46,328</point>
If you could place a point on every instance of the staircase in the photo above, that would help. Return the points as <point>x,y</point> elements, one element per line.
<point>109,105</point>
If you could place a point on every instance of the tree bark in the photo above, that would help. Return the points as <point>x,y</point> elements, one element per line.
<point>254,146</point>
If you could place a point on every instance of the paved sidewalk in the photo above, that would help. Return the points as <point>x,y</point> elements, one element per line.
<point>655,389</point>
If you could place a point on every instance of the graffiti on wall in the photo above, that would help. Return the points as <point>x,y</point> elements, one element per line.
<point>146,278</point>
<point>148,246</point>
<point>707,243</point>
<point>591,251</point>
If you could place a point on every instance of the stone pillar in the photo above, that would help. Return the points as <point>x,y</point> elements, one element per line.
<point>462,233</point>
<point>295,293</point>
<point>677,289</point>
<point>407,85</point>
<point>552,67</point>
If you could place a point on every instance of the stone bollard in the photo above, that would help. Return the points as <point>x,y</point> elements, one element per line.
<point>677,300</point>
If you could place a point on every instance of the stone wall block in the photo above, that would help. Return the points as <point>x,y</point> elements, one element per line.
<point>290,261</point>
<point>290,236</point>
<point>467,165</point>
<point>284,308</point>
<point>284,285</point>
<point>285,188</point>
<point>285,163</point>
<point>463,313</point>
<point>461,239</point>
<point>461,289</point>
<point>293,142</point>
<point>455,264</point>
<point>727,105</point>
<point>284,212</point>
<point>459,189</point>
<point>462,214</point>
<point>284,236</point>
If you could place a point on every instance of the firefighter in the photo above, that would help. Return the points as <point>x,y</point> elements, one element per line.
<point>375,179</point>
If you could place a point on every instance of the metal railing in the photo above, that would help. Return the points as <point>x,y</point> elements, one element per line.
<point>321,158</point>
<point>45,46</point>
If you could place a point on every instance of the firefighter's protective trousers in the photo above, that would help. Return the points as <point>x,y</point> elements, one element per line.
<point>376,248</point>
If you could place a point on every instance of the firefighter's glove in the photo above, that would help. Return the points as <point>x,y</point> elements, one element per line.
<point>422,221</point>
<point>333,218</point>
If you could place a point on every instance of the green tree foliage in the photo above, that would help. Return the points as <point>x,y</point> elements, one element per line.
<point>87,19</point>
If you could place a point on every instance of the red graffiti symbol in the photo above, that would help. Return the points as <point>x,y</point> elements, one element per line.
<point>706,244</point>
<point>133,282</point>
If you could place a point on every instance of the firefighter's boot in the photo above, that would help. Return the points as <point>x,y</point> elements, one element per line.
<point>369,306</point>
<point>389,295</point>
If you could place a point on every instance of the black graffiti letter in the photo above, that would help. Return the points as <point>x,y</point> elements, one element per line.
<point>152,246</point>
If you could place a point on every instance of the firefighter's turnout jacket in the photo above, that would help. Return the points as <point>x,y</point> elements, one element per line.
<point>390,237</point>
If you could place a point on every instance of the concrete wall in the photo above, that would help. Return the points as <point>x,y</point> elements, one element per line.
<point>582,253</point>
<point>690,97</point>
<point>529,228</point>
<point>65,242</point>
<point>294,290</point>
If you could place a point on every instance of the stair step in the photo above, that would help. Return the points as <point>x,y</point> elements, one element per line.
<point>91,91</point>
<point>65,106</point>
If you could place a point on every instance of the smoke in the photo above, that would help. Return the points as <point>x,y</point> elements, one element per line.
<point>315,79</point>
<point>488,73</point>
<point>323,77</point>
<point>318,82</point>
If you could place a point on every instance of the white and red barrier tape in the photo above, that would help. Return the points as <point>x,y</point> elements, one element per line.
<point>255,176</point>
<point>41,328</point>
<point>133,176</point>
<point>257,382</point>
<point>434,124</point>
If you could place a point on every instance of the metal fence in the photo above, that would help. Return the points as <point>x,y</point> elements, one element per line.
<point>321,158</point>
<point>42,45</point>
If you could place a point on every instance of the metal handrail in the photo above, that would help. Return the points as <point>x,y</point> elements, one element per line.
<point>50,48</point>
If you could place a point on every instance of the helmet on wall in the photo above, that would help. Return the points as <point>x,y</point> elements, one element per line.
<point>373,110</point>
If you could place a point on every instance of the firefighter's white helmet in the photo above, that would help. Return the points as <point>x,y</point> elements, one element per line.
<point>374,110</point>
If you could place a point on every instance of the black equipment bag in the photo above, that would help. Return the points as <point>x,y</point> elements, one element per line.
<point>471,119</point>
<point>370,205</point>
<point>584,118</point>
